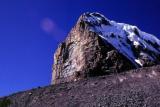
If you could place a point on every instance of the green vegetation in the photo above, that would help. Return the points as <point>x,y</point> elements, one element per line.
<point>5,102</point>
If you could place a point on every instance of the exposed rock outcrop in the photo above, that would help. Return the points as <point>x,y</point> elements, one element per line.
<point>83,54</point>
<point>98,46</point>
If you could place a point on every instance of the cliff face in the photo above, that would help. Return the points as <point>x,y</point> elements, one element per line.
<point>83,54</point>
<point>135,88</point>
<point>97,46</point>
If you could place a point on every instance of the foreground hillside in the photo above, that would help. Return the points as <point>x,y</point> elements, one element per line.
<point>135,88</point>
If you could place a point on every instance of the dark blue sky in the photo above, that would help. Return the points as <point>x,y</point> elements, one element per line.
<point>30,31</point>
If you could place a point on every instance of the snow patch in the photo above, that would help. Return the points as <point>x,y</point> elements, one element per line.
<point>118,35</point>
<point>139,62</point>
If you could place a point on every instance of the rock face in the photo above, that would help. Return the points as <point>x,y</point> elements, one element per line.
<point>97,46</point>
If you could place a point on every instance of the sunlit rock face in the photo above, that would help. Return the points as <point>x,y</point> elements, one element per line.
<point>97,46</point>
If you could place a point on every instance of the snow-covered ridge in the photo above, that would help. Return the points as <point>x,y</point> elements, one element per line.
<point>139,47</point>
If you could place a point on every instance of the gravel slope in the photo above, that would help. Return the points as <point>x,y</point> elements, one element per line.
<point>136,88</point>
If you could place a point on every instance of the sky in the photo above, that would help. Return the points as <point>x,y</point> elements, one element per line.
<point>30,31</point>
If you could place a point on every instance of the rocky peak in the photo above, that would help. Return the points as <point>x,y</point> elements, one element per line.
<point>95,19</point>
<point>97,46</point>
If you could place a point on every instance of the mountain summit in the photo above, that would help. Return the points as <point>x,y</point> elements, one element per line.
<point>97,46</point>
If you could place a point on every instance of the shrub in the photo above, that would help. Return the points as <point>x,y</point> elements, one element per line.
<point>5,102</point>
